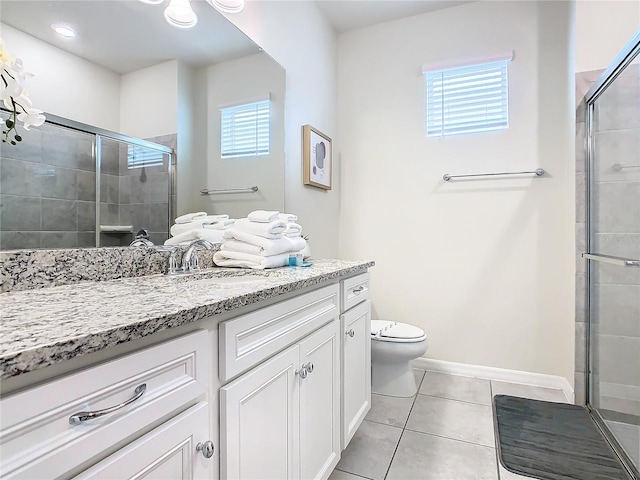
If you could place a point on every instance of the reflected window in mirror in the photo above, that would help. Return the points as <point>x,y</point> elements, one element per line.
<point>245,129</point>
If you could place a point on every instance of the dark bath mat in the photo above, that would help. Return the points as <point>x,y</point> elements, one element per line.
<point>552,441</point>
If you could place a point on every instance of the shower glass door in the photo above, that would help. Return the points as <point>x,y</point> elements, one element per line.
<point>614,257</point>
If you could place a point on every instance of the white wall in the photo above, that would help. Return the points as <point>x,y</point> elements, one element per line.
<point>244,80</point>
<point>485,267</point>
<point>297,36</point>
<point>149,101</point>
<point>603,27</point>
<point>64,84</point>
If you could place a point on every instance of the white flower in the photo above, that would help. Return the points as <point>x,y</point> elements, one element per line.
<point>14,96</point>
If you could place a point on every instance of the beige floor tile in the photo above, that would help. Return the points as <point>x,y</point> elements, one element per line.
<point>339,475</point>
<point>427,457</point>
<point>456,387</point>
<point>453,419</point>
<point>505,474</point>
<point>389,410</point>
<point>527,391</point>
<point>419,374</point>
<point>370,451</point>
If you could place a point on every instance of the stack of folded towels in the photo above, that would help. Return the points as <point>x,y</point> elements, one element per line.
<point>264,239</point>
<point>199,226</point>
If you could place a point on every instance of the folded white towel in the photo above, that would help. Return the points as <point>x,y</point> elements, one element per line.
<point>263,216</point>
<point>271,247</point>
<point>221,225</point>
<point>214,236</point>
<point>246,260</point>
<point>189,217</point>
<point>202,222</point>
<point>293,230</point>
<point>273,229</point>
<point>288,217</point>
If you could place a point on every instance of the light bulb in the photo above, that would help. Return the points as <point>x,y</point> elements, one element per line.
<point>227,6</point>
<point>180,14</point>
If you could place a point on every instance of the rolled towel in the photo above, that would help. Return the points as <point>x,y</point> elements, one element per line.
<point>274,247</point>
<point>201,222</point>
<point>263,216</point>
<point>214,236</point>
<point>293,230</point>
<point>288,217</point>
<point>273,229</point>
<point>190,217</point>
<point>221,225</point>
<point>246,260</point>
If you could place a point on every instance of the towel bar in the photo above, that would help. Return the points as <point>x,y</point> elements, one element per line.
<point>206,191</point>
<point>538,172</point>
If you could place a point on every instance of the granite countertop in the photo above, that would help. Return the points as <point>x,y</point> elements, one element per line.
<point>42,327</point>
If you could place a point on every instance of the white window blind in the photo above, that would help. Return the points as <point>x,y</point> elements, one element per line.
<point>467,99</point>
<point>138,157</point>
<point>245,130</point>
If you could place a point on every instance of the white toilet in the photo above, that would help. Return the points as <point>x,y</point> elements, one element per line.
<point>393,346</point>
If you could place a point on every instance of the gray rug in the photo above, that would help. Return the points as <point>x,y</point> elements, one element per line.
<point>552,441</point>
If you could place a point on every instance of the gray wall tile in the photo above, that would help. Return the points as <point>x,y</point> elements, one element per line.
<point>580,348</point>
<point>18,177</point>
<point>59,215</point>
<point>61,184</point>
<point>19,213</point>
<point>86,217</point>
<point>60,239</point>
<point>19,240</point>
<point>86,185</point>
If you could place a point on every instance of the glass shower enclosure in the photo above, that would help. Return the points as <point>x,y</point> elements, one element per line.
<point>613,253</point>
<point>72,185</point>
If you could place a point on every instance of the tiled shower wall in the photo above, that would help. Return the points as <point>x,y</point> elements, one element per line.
<point>48,191</point>
<point>615,297</point>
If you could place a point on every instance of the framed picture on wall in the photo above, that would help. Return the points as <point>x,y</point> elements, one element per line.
<point>317,158</point>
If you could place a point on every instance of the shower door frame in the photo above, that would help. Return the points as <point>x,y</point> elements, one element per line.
<point>630,51</point>
<point>99,133</point>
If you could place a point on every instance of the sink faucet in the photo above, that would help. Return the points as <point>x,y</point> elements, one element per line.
<point>141,239</point>
<point>189,261</point>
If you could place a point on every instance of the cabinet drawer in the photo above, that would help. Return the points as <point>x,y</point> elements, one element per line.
<point>354,291</point>
<point>249,339</point>
<point>37,438</point>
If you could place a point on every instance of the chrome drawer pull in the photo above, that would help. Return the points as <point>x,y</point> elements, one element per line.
<point>350,332</point>
<point>358,290</point>
<point>308,366</point>
<point>84,416</point>
<point>206,448</point>
<point>302,372</point>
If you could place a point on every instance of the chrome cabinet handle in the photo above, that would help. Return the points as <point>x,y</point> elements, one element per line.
<point>308,366</point>
<point>302,372</point>
<point>358,290</point>
<point>84,416</point>
<point>206,448</point>
<point>350,332</point>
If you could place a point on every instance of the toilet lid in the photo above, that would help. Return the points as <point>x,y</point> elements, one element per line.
<point>390,331</point>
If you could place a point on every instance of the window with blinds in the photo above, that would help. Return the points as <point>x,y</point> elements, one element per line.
<point>245,130</point>
<point>467,99</point>
<point>138,157</point>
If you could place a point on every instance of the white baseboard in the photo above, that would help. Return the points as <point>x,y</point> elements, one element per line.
<point>498,374</point>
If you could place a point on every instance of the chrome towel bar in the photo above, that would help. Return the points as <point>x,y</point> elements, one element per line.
<point>622,262</point>
<point>538,172</point>
<point>617,167</point>
<point>206,191</point>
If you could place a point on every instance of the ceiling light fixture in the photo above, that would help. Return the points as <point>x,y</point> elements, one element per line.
<point>227,6</point>
<point>63,30</point>
<point>152,2</point>
<point>180,14</point>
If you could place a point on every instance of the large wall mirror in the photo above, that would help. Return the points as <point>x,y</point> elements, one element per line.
<point>154,94</point>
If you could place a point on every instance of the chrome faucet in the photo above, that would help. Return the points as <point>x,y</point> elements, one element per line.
<point>190,258</point>
<point>141,239</point>
<point>189,262</point>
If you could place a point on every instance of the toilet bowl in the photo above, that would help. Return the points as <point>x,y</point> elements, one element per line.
<point>393,346</point>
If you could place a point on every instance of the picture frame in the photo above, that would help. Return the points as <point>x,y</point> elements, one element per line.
<point>317,158</point>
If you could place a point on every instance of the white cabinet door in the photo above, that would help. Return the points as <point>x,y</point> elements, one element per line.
<point>356,368</point>
<point>166,453</point>
<point>259,418</point>
<point>320,403</point>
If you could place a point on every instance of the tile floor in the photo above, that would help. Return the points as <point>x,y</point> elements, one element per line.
<point>445,432</point>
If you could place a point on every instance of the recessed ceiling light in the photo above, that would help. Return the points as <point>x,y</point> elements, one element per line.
<point>152,2</point>
<point>63,30</point>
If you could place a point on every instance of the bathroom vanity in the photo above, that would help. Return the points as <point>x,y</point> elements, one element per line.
<point>228,373</point>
